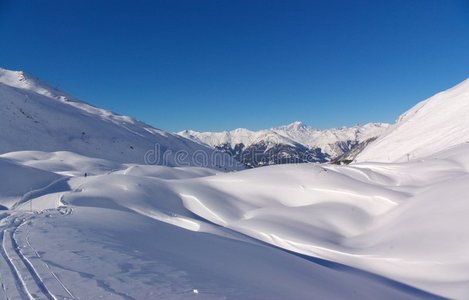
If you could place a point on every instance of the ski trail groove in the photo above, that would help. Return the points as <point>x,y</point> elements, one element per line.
<point>19,282</point>
<point>4,291</point>
<point>31,282</point>
<point>49,269</point>
<point>23,273</point>
<point>12,286</point>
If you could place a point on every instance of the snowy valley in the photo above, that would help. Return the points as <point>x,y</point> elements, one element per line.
<point>84,216</point>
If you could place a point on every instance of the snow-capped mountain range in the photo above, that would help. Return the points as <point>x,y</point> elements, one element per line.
<point>296,142</point>
<point>35,116</point>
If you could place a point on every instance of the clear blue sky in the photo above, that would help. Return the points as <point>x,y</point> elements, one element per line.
<point>215,65</point>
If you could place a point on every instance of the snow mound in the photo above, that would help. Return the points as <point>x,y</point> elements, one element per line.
<point>64,162</point>
<point>16,180</point>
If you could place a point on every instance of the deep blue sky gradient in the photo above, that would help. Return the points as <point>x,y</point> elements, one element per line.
<point>215,65</point>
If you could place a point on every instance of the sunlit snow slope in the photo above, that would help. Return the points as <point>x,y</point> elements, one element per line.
<point>290,231</point>
<point>432,125</point>
<point>34,116</point>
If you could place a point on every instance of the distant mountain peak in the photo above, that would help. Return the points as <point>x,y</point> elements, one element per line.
<point>297,125</point>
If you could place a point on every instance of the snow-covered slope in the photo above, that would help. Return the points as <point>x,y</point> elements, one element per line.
<point>34,116</point>
<point>364,231</point>
<point>370,230</point>
<point>18,179</point>
<point>433,125</point>
<point>292,139</point>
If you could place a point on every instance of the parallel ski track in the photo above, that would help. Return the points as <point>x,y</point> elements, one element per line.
<point>28,283</point>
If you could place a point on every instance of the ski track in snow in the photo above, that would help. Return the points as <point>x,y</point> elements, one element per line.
<point>47,272</point>
<point>23,273</point>
<point>31,283</point>
<point>13,286</point>
<point>29,274</point>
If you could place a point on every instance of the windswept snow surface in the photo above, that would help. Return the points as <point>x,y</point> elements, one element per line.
<point>365,231</point>
<point>432,125</point>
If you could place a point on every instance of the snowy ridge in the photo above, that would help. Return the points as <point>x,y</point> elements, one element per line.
<point>433,125</point>
<point>41,118</point>
<point>20,79</point>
